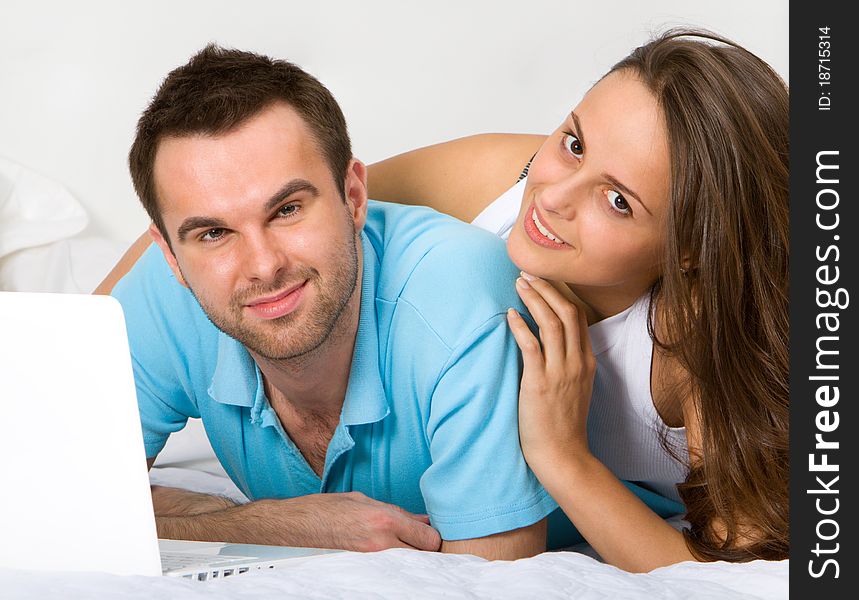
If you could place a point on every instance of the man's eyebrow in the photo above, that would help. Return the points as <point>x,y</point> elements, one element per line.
<point>611,179</point>
<point>293,187</point>
<point>192,223</point>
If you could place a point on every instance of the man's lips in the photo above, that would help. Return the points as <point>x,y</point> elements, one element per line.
<point>272,307</point>
<point>537,236</point>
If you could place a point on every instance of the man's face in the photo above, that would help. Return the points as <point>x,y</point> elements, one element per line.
<point>260,231</point>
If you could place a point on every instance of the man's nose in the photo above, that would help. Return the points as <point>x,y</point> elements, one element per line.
<point>264,257</point>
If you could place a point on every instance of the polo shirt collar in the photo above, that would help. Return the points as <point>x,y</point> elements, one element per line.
<point>237,380</point>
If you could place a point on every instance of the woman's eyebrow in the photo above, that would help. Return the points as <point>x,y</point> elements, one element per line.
<point>626,191</point>
<point>610,178</point>
<point>578,127</point>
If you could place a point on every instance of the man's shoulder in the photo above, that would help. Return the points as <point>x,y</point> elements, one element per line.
<point>153,301</point>
<point>455,275</point>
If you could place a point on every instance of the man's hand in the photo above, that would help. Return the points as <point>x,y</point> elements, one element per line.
<point>348,521</point>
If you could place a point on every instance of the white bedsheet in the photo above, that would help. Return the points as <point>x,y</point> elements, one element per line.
<point>410,574</point>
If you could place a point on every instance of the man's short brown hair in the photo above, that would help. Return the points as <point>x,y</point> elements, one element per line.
<point>218,90</point>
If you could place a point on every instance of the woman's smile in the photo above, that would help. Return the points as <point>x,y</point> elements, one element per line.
<point>540,233</point>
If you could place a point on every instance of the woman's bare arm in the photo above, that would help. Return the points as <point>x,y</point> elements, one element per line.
<point>459,178</point>
<point>124,265</point>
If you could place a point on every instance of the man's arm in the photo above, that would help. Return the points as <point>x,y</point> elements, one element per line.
<point>509,545</point>
<point>176,502</point>
<point>349,521</point>
<point>173,502</point>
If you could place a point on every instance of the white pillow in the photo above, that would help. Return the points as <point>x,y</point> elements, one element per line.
<point>34,210</point>
<point>73,265</point>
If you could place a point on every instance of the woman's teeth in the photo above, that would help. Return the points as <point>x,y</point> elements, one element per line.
<point>542,228</point>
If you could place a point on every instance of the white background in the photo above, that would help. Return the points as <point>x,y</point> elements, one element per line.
<point>74,76</point>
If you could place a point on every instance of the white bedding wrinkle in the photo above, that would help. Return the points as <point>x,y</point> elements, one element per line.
<point>401,573</point>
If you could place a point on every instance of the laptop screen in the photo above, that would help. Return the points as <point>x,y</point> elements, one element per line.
<point>76,491</point>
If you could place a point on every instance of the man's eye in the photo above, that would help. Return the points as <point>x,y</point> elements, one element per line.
<point>287,210</point>
<point>573,145</point>
<point>212,235</point>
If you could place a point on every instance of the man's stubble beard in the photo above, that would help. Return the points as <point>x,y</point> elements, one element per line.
<point>293,336</point>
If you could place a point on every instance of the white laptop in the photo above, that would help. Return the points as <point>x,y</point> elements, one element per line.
<point>75,487</point>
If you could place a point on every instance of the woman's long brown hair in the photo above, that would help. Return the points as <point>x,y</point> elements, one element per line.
<point>721,306</point>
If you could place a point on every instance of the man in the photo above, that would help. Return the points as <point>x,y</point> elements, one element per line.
<point>351,361</point>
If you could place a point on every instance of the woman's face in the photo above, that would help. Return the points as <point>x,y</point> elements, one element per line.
<point>593,211</point>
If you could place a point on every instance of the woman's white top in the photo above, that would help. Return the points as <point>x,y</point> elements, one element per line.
<point>624,430</point>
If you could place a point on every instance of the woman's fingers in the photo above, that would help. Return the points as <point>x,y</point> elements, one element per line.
<point>574,320</point>
<point>585,338</point>
<point>551,328</point>
<point>532,356</point>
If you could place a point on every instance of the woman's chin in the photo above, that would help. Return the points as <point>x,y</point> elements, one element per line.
<point>525,259</point>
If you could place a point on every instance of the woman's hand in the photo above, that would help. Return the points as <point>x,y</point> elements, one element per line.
<point>557,378</point>
<point>554,398</point>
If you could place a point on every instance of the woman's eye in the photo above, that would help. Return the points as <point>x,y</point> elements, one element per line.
<point>573,145</point>
<point>618,202</point>
<point>213,235</point>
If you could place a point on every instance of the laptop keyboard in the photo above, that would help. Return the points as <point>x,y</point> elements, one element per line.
<point>171,561</point>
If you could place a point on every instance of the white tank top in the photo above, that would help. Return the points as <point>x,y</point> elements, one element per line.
<point>624,429</point>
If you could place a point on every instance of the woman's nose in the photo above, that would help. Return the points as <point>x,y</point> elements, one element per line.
<point>560,197</point>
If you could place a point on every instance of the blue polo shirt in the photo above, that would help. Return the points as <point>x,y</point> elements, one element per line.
<point>429,421</point>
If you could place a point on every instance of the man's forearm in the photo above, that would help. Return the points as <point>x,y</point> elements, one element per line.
<point>350,521</point>
<point>176,502</point>
<point>186,515</point>
<point>247,524</point>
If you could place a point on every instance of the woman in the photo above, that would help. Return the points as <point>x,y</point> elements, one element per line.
<point>659,213</point>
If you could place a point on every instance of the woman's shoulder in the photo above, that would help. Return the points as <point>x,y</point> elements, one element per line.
<point>458,177</point>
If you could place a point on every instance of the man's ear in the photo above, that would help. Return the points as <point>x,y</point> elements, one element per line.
<point>356,192</point>
<point>168,253</point>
